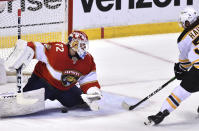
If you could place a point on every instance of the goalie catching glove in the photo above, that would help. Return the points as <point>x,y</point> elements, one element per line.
<point>91,97</point>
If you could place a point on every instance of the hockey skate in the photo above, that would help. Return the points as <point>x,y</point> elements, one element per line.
<point>156,119</point>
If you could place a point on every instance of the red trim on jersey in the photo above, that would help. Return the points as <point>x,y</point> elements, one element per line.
<point>86,86</point>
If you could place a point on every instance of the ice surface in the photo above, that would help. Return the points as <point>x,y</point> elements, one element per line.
<point>132,67</point>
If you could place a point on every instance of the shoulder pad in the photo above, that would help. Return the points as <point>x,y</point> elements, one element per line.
<point>186,31</point>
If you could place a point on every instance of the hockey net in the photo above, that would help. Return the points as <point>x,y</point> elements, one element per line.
<point>41,20</point>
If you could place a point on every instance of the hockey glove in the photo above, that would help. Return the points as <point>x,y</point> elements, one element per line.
<point>91,97</point>
<point>22,55</point>
<point>179,71</point>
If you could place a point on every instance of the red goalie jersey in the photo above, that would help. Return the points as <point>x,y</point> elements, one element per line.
<point>59,69</point>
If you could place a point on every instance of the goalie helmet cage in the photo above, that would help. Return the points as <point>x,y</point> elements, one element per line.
<point>42,21</point>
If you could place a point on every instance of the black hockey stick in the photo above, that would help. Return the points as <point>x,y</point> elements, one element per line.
<point>19,23</point>
<point>20,98</point>
<point>131,107</point>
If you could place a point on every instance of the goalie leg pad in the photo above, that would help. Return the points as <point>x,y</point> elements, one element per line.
<point>22,55</point>
<point>10,107</point>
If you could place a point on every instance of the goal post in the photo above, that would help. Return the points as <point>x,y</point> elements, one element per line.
<point>70,16</point>
<point>41,20</point>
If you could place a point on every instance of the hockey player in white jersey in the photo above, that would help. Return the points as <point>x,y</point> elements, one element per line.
<point>187,69</point>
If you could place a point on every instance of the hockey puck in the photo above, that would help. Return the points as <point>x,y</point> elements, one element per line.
<point>64,110</point>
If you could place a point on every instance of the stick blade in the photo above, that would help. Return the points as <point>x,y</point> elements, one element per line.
<point>125,105</point>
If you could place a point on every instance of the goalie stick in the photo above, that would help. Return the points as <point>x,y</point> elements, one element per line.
<point>19,23</point>
<point>19,97</point>
<point>131,107</point>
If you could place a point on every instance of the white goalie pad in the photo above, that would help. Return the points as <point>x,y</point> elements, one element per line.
<point>10,107</point>
<point>3,78</point>
<point>22,55</point>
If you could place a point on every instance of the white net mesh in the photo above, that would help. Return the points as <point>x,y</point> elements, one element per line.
<point>2,6</point>
<point>41,20</point>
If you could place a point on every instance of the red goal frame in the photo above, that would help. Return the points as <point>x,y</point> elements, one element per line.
<point>70,16</point>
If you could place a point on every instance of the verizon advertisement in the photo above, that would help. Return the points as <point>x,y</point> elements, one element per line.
<point>40,16</point>
<point>103,13</point>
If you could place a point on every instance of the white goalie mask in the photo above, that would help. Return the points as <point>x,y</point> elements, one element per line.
<point>187,15</point>
<point>78,41</point>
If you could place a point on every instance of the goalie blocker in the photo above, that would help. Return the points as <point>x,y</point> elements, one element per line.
<point>22,55</point>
